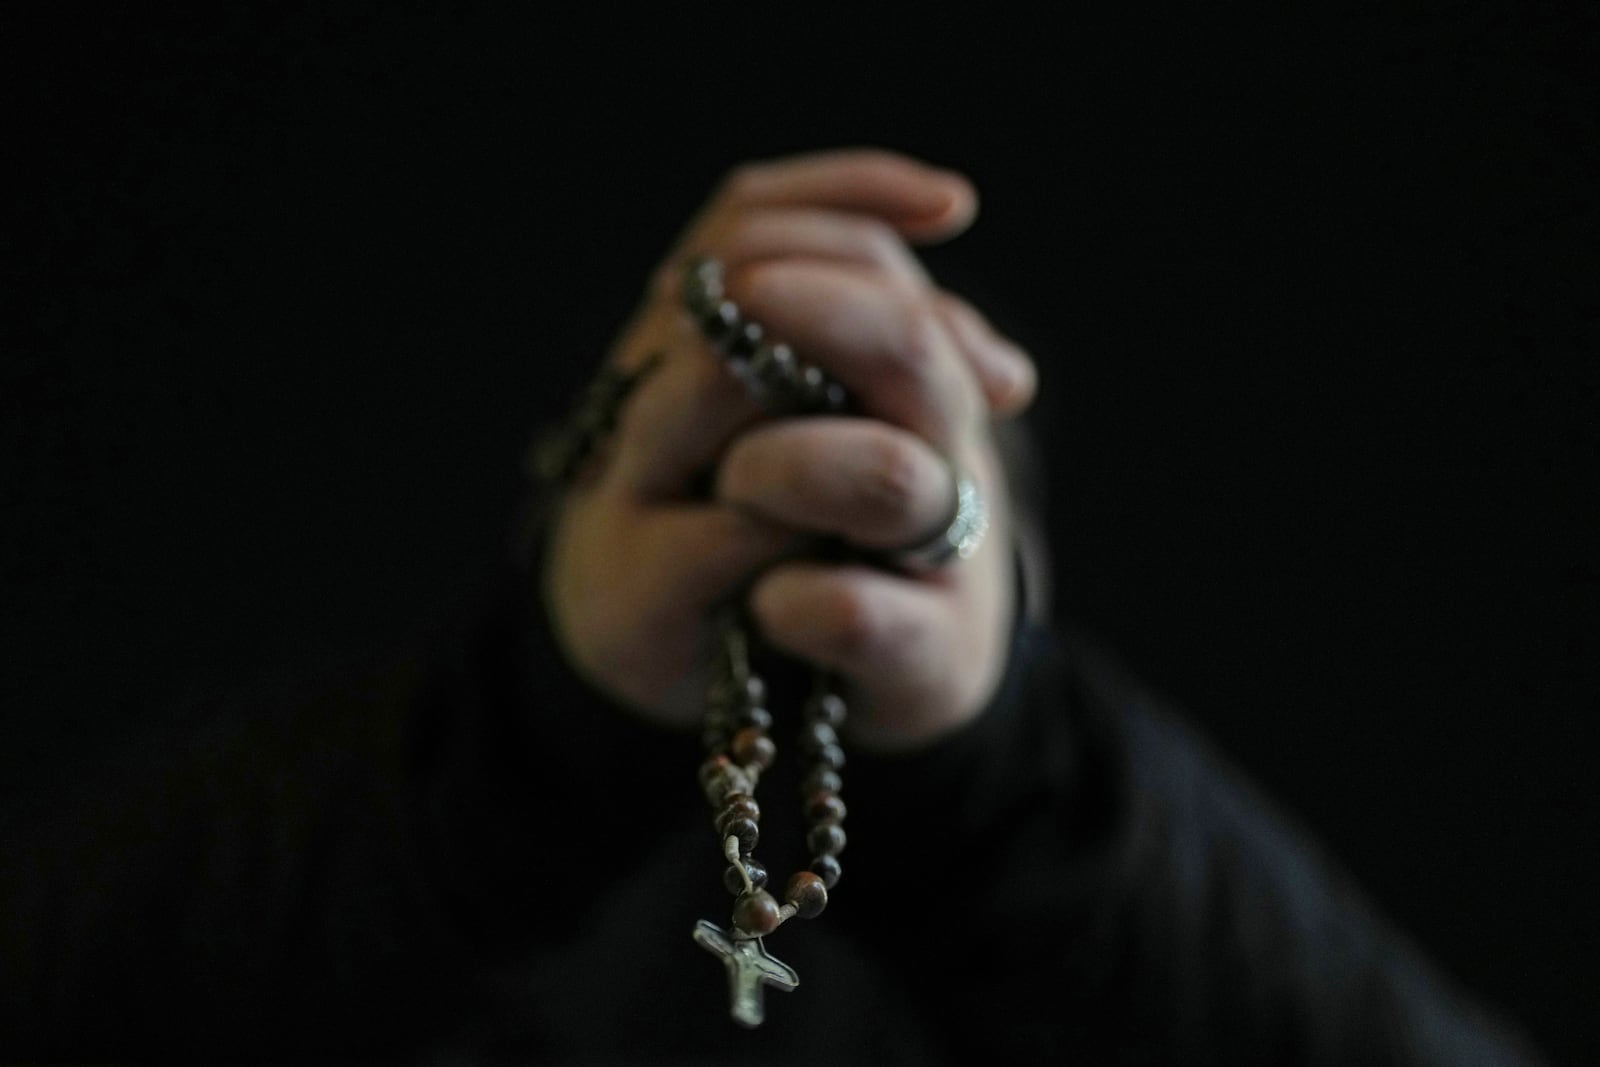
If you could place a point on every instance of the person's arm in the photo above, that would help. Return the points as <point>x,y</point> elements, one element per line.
<point>1069,866</point>
<point>1083,875</point>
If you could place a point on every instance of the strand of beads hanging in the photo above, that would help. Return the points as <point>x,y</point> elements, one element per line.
<point>738,749</point>
<point>777,379</point>
<point>821,788</point>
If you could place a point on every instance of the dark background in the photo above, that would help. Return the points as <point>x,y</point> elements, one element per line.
<point>1314,299</point>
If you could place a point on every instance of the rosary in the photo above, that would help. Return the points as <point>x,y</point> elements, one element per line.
<point>737,722</point>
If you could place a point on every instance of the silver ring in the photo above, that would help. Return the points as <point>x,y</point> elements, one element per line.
<point>957,539</point>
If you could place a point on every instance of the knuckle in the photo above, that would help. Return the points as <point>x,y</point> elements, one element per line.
<point>887,493</point>
<point>753,281</point>
<point>915,339</point>
<point>740,182</point>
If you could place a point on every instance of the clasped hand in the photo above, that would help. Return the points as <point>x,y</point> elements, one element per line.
<point>816,249</point>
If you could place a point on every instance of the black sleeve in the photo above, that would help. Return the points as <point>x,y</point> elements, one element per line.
<point>1107,886</point>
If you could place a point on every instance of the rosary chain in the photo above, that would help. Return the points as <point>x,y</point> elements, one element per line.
<point>739,749</point>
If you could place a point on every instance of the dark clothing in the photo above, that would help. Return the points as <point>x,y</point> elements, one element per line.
<point>479,859</point>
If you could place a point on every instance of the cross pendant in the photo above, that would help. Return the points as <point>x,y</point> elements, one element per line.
<point>749,968</point>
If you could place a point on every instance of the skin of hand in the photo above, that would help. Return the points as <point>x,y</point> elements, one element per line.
<point>816,249</point>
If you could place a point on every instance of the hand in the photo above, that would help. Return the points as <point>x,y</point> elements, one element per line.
<point>815,250</point>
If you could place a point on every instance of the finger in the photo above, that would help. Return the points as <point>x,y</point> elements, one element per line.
<point>922,202</point>
<point>698,554</point>
<point>682,558</point>
<point>817,233</point>
<point>1004,371</point>
<point>876,486</point>
<point>886,346</point>
<point>629,585</point>
<point>679,420</point>
<point>796,233</point>
<point>903,643</point>
<point>1007,376</point>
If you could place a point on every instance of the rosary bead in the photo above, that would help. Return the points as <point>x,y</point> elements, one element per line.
<point>807,893</point>
<point>744,342</point>
<point>743,805</point>
<point>745,830</point>
<point>726,781</point>
<point>821,780</point>
<point>756,912</point>
<point>826,839</point>
<point>712,768</point>
<point>831,756</point>
<point>816,736</point>
<point>732,823</point>
<point>752,746</point>
<point>813,387</point>
<point>752,867</point>
<point>774,366</point>
<point>827,868</point>
<point>828,708</point>
<point>755,690</point>
<point>825,807</point>
<point>756,716</point>
<point>720,323</point>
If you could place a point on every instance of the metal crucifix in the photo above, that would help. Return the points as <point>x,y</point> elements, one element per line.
<point>749,968</point>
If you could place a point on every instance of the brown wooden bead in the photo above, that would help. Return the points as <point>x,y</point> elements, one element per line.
<point>752,867</point>
<point>821,780</point>
<point>745,830</point>
<point>711,768</point>
<point>724,820</point>
<point>827,868</point>
<point>825,840</point>
<point>831,756</point>
<point>731,820</point>
<point>816,736</point>
<point>752,746</point>
<point>823,806</point>
<point>807,893</point>
<point>756,912</point>
<point>726,782</point>
<point>742,804</point>
<point>828,708</point>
